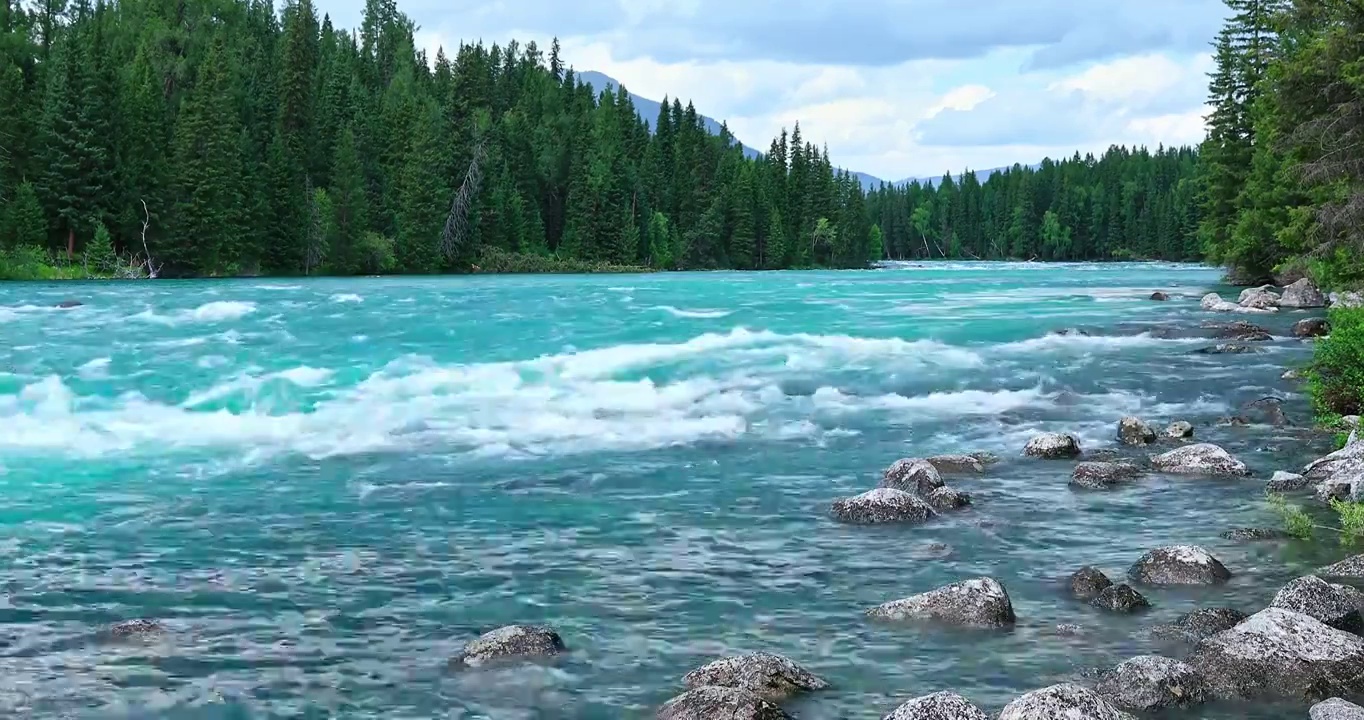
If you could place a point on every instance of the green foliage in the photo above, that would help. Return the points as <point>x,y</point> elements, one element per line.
<point>24,225</point>
<point>1296,520</point>
<point>495,260</point>
<point>100,258</point>
<point>29,262</point>
<point>1351,515</point>
<point>1335,379</point>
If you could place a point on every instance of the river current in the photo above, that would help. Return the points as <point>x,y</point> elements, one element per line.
<point>323,488</point>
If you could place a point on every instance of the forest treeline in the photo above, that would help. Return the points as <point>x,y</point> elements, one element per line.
<point>230,137</point>
<point>1282,168</point>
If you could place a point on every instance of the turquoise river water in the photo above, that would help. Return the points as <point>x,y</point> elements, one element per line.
<point>324,487</point>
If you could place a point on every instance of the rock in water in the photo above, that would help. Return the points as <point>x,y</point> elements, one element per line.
<point>882,505</point>
<point>1159,296</point>
<point>912,475</point>
<point>1311,327</point>
<point>1179,430</point>
<point>957,464</point>
<point>140,628</point>
<point>1179,565</point>
<point>1284,654</point>
<point>1348,461</point>
<point>985,458</point>
<point>1066,701</point>
<point>67,304</point>
<point>512,641</point>
<point>1351,567</point>
<point>1291,375</point>
<point>1088,582</point>
<point>1336,605</point>
<point>1200,624</point>
<point>1215,303</point>
<point>1302,294</point>
<point>1254,534</point>
<point>1286,482</point>
<point>1102,475</point>
<point>1151,682</point>
<point>720,703</point>
<point>938,706</point>
<point>945,499</point>
<point>1053,446</point>
<point>1120,599</point>
<point>1233,330</point>
<point>771,677</point>
<point>1336,709</point>
<point>1200,459</point>
<point>1132,431</point>
<point>979,602</point>
<point>1268,410</point>
<point>1263,298</point>
<point>1226,349</point>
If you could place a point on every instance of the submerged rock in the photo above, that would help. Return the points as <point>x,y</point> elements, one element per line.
<point>1120,599</point>
<point>720,703</point>
<point>1067,700</point>
<point>1159,296</point>
<point>512,641</point>
<point>1250,534</point>
<point>985,458</point>
<point>1179,430</point>
<point>938,706</point>
<point>931,551</point>
<point>1179,565</point>
<point>957,464</point>
<point>1132,431</point>
<point>67,304</point>
<point>770,676</point>
<point>1336,605</point>
<point>882,505</point>
<point>948,498</point>
<point>1311,327</point>
<point>1151,682</point>
<point>1087,582</point>
<point>1102,475</point>
<point>1350,567</point>
<point>979,602</point>
<point>1302,294</point>
<point>1286,482</point>
<point>912,475</point>
<point>1200,459</point>
<point>1201,623</point>
<point>1262,297</point>
<point>1291,375</point>
<point>139,628</point>
<point>1268,411</point>
<point>1233,330</point>
<point>1053,446</point>
<point>1336,709</point>
<point>1281,653</point>
<point>1226,349</point>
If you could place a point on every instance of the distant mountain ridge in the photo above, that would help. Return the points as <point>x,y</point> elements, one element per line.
<point>648,111</point>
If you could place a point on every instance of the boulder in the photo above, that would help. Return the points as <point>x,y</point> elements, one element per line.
<point>1069,630</point>
<point>771,677</point>
<point>1232,421</point>
<point>1226,349</point>
<point>1132,431</point>
<point>1311,327</point>
<point>979,602</point>
<point>1268,411</point>
<point>512,641</point>
<point>1053,446</point>
<point>67,304</point>
<point>1254,337</point>
<point>1336,605</point>
<point>1291,375</point>
<point>1286,482</point>
<point>1067,700</point>
<point>1159,296</point>
<point>1350,567</point>
<point>938,706</point>
<point>1214,303</point>
<point>1120,599</point>
<point>1179,565</point>
<point>139,628</point>
<point>985,458</point>
<point>1346,300</point>
<point>1200,459</point>
<point>882,505</point>
<point>1348,460</point>
<point>1250,534</point>
<point>1302,294</point>
<point>957,464</point>
<point>1341,486</point>
<point>1102,475</point>
<point>1233,330</point>
<point>1336,709</point>
<point>1284,654</point>
<point>1151,682</point>
<point>720,703</point>
<point>912,475</point>
<point>948,498</point>
<point>1179,430</point>
<point>1087,582</point>
<point>1201,623</point>
<point>1262,297</point>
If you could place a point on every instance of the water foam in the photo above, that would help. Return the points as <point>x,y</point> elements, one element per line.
<point>210,312</point>
<point>698,314</point>
<point>346,298</point>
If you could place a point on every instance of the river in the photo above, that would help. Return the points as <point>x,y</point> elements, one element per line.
<point>324,487</point>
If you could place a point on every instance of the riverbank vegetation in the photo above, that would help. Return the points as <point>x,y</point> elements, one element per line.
<point>267,143</point>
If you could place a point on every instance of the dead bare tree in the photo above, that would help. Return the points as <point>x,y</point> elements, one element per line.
<point>140,267</point>
<point>456,234</point>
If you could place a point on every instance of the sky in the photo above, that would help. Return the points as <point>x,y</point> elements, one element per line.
<point>894,88</point>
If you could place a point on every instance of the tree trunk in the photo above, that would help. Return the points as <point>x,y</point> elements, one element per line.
<point>70,243</point>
